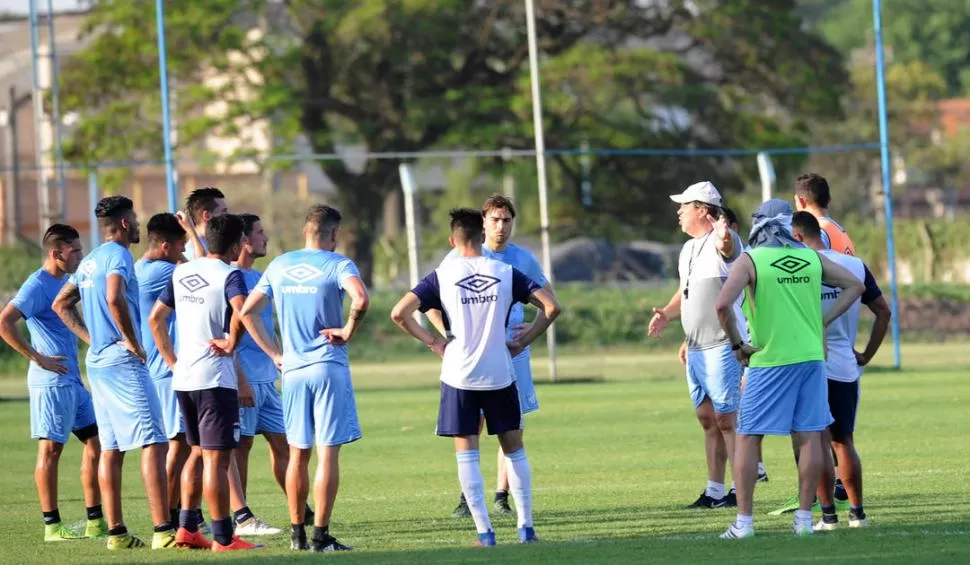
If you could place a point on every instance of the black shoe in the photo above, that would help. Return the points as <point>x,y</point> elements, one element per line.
<point>329,543</point>
<point>731,500</point>
<point>763,476</point>
<point>840,493</point>
<point>707,502</point>
<point>299,544</point>
<point>501,505</point>
<point>461,511</point>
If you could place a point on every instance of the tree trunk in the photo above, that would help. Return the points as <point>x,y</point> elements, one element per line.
<point>362,211</point>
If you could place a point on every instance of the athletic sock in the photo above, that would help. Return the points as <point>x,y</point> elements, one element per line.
<point>189,520</point>
<point>761,468</point>
<point>94,512</point>
<point>321,533</point>
<point>473,487</point>
<point>520,483</point>
<point>118,531</point>
<point>175,516</point>
<point>828,514</point>
<point>243,514</point>
<point>52,517</point>
<point>163,527</point>
<point>501,495</point>
<point>803,515</point>
<point>732,487</point>
<point>222,531</point>
<point>857,513</point>
<point>199,516</point>
<point>715,490</point>
<point>743,521</point>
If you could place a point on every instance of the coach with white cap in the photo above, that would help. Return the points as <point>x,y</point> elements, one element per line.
<point>713,373</point>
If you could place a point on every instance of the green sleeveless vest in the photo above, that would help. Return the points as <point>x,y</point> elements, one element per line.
<point>785,313</point>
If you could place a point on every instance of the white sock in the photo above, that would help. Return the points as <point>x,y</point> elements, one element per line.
<point>744,522</point>
<point>761,468</point>
<point>715,490</point>
<point>732,487</point>
<point>520,484</point>
<point>803,515</point>
<point>472,485</point>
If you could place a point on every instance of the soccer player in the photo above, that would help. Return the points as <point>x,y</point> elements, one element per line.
<point>59,403</point>
<point>475,295</point>
<point>812,195</point>
<point>206,295</point>
<point>713,374</point>
<point>499,217</point>
<point>307,287</point>
<point>166,243</point>
<point>785,392</point>
<point>202,205</point>
<point>266,416</point>
<point>125,402</point>
<point>843,369</point>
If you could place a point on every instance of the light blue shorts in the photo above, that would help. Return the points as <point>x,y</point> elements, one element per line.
<point>785,400</point>
<point>57,411</point>
<point>522,372</point>
<point>319,406</point>
<point>172,419</point>
<point>714,373</point>
<point>266,416</point>
<point>126,404</point>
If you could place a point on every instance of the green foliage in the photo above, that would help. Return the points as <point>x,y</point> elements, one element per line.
<point>417,74</point>
<point>930,249</point>
<point>18,262</point>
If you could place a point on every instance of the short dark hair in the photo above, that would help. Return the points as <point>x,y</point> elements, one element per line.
<point>467,224</point>
<point>732,218</point>
<point>814,188</point>
<point>222,232</point>
<point>164,228</point>
<point>807,225</point>
<point>498,202</point>
<point>202,200</point>
<point>110,209</point>
<point>59,234</point>
<point>322,218</point>
<point>249,222</point>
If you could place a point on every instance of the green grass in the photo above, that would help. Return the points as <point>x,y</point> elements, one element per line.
<point>615,451</point>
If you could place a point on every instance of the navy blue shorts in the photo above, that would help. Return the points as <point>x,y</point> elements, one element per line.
<point>211,417</point>
<point>460,411</point>
<point>843,404</point>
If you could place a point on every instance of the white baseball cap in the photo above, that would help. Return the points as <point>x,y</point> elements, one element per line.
<point>699,192</point>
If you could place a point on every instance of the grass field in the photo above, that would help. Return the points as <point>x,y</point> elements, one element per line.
<point>615,452</point>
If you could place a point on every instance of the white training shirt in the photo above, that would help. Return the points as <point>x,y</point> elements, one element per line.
<point>475,296</point>
<point>703,270</point>
<point>840,335</point>
<point>200,291</point>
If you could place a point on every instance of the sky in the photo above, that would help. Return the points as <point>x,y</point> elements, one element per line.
<point>20,6</point>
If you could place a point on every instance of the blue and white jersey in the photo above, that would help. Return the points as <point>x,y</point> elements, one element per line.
<point>91,279</point>
<point>307,288</point>
<point>153,277</point>
<point>190,249</point>
<point>48,334</point>
<point>475,296</point>
<point>840,335</point>
<point>522,260</point>
<point>256,365</point>
<point>200,291</point>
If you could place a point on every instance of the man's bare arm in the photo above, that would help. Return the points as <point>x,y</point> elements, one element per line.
<point>65,306</point>
<point>884,315</point>
<point>158,321</point>
<point>118,307</point>
<point>359,303</point>
<point>438,321</point>
<point>742,273</point>
<point>249,315</point>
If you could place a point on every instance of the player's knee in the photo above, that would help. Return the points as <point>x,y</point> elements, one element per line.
<point>725,422</point>
<point>48,452</point>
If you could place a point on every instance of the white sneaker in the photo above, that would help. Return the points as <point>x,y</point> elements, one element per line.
<point>861,523</point>
<point>823,526</point>
<point>737,532</point>
<point>255,527</point>
<point>802,528</point>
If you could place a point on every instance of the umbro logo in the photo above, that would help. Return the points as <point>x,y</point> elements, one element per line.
<point>87,268</point>
<point>302,273</point>
<point>193,283</point>
<point>790,264</point>
<point>477,283</point>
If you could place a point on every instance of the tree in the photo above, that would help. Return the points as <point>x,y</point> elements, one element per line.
<point>410,75</point>
<point>932,31</point>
